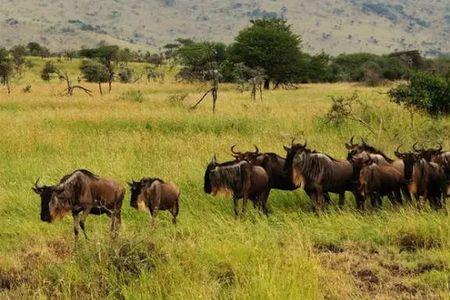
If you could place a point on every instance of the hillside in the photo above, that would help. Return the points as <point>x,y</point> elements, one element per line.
<point>332,25</point>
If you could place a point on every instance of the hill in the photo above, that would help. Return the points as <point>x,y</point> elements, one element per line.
<point>334,26</point>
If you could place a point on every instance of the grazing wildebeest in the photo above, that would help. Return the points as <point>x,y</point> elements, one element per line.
<point>82,193</point>
<point>425,180</point>
<point>318,174</point>
<point>377,157</point>
<point>153,194</point>
<point>377,179</point>
<point>241,179</point>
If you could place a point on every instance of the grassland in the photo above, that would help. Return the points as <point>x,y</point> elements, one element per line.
<point>293,254</point>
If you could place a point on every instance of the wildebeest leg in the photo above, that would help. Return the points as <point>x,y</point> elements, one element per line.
<point>174,212</point>
<point>398,196</point>
<point>341,200</point>
<point>263,199</point>
<point>244,206</point>
<point>406,193</point>
<point>327,199</point>
<point>236,207</point>
<point>76,224</point>
<point>116,220</point>
<point>360,200</point>
<point>82,228</point>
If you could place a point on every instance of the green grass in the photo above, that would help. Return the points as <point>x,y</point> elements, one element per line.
<point>392,253</point>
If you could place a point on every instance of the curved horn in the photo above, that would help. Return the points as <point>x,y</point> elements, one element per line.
<point>232,149</point>
<point>292,142</point>
<point>363,141</point>
<point>414,147</point>
<point>306,143</point>
<point>397,151</point>
<point>440,147</point>
<point>351,141</point>
<point>36,183</point>
<point>256,148</point>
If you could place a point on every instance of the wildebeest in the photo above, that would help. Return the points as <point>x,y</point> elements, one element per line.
<point>318,173</point>
<point>82,193</point>
<point>425,179</point>
<point>377,179</point>
<point>377,157</point>
<point>154,194</point>
<point>241,179</point>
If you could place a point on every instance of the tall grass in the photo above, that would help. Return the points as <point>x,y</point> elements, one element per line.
<point>291,254</point>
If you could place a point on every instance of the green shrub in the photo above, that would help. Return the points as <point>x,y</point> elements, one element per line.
<point>426,92</point>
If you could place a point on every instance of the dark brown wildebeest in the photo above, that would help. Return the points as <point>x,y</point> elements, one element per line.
<point>377,157</point>
<point>425,180</point>
<point>82,193</point>
<point>153,194</point>
<point>318,174</point>
<point>272,163</point>
<point>241,179</point>
<point>377,179</point>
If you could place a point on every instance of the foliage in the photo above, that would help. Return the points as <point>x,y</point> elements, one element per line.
<point>94,71</point>
<point>48,69</point>
<point>342,108</point>
<point>125,74</point>
<point>35,49</point>
<point>426,92</point>
<point>271,45</point>
<point>198,58</point>
<point>6,68</point>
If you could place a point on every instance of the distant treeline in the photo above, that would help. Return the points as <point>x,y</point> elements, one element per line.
<point>268,48</point>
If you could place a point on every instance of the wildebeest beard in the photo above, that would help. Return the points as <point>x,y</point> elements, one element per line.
<point>233,179</point>
<point>313,167</point>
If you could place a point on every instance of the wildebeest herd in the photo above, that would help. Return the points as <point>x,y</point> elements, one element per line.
<point>419,174</point>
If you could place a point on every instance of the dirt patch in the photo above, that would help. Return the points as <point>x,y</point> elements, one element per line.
<point>372,273</point>
<point>409,241</point>
<point>329,247</point>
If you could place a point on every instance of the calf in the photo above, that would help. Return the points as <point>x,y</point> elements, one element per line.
<point>153,194</point>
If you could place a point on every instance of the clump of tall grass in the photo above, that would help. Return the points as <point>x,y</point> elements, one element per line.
<point>133,95</point>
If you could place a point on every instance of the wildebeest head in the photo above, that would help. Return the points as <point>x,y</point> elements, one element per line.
<point>250,156</point>
<point>428,154</point>
<point>207,188</point>
<point>291,152</point>
<point>137,199</point>
<point>355,149</point>
<point>135,188</point>
<point>409,159</point>
<point>45,192</point>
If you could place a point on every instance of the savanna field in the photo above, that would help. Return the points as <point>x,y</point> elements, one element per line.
<point>136,131</point>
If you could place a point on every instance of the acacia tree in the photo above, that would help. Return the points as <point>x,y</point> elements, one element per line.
<point>271,45</point>
<point>94,71</point>
<point>18,55</point>
<point>6,68</point>
<point>108,56</point>
<point>202,62</point>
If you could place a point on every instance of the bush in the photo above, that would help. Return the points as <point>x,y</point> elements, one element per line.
<point>125,75</point>
<point>426,92</point>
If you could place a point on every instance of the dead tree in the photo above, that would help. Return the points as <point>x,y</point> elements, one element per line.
<point>214,76</point>
<point>70,88</point>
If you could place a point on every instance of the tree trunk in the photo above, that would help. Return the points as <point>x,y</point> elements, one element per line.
<point>7,86</point>
<point>100,88</point>
<point>109,84</point>
<point>266,84</point>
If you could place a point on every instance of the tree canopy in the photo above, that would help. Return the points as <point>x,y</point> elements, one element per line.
<point>271,45</point>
